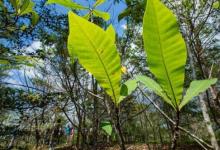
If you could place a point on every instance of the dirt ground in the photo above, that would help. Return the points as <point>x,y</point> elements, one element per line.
<point>140,147</point>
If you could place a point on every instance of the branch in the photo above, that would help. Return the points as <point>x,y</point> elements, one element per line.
<point>197,139</point>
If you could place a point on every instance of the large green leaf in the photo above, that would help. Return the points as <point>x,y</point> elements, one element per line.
<point>67,3</point>
<point>96,52</point>
<point>165,48</point>
<point>155,87</point>
<point>127,88</point>
<point>195,88</point>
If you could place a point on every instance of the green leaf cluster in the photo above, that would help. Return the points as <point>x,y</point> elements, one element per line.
<point>25,7</point>
<point>165,50</point>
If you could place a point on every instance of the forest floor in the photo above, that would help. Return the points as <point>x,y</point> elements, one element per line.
<point>139,147</point>
<point>117,147</point>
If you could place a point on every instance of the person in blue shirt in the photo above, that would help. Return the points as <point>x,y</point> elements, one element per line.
<point>68,134</point>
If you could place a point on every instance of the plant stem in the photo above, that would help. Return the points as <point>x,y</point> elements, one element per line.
<point>119,130</point>
<point>176,131</point>
<point>113,112</point>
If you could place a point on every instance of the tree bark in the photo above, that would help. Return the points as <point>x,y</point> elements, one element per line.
<point>95,115</point>
<point>208,122</point>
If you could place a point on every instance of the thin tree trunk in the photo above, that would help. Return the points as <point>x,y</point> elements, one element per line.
<point>37,134</point>
<point>95,115</point>
<point>152,127</point>
<point>84,131</point>
<point>79,133</point>
<point>12,141</point>
<point>208,122</point>
<point>51,139</point>
<point>160,136</point>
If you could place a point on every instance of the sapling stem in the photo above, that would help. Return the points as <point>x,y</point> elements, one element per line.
<point>118,128</point>
<point>176,131</point>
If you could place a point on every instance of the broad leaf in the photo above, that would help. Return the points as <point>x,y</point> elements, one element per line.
<point>107,127</point>
<point>155,87</point>
<point>67,3</point>
<point>96,52</point>
<point>98,2</point>
<point>195,88</point>
<point>127,88</point>
<point>165,49</point>
<point>101,14</point>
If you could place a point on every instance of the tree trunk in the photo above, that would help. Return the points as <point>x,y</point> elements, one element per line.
<point>85,130</point>
<point>10,145</point>
<point>37,134</point>
<point>95,115</point>
<point>208,122</point>
<point>79,132</point>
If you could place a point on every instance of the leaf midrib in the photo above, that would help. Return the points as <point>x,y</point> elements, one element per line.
<point>161,52</point>
<point>94,48</point>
